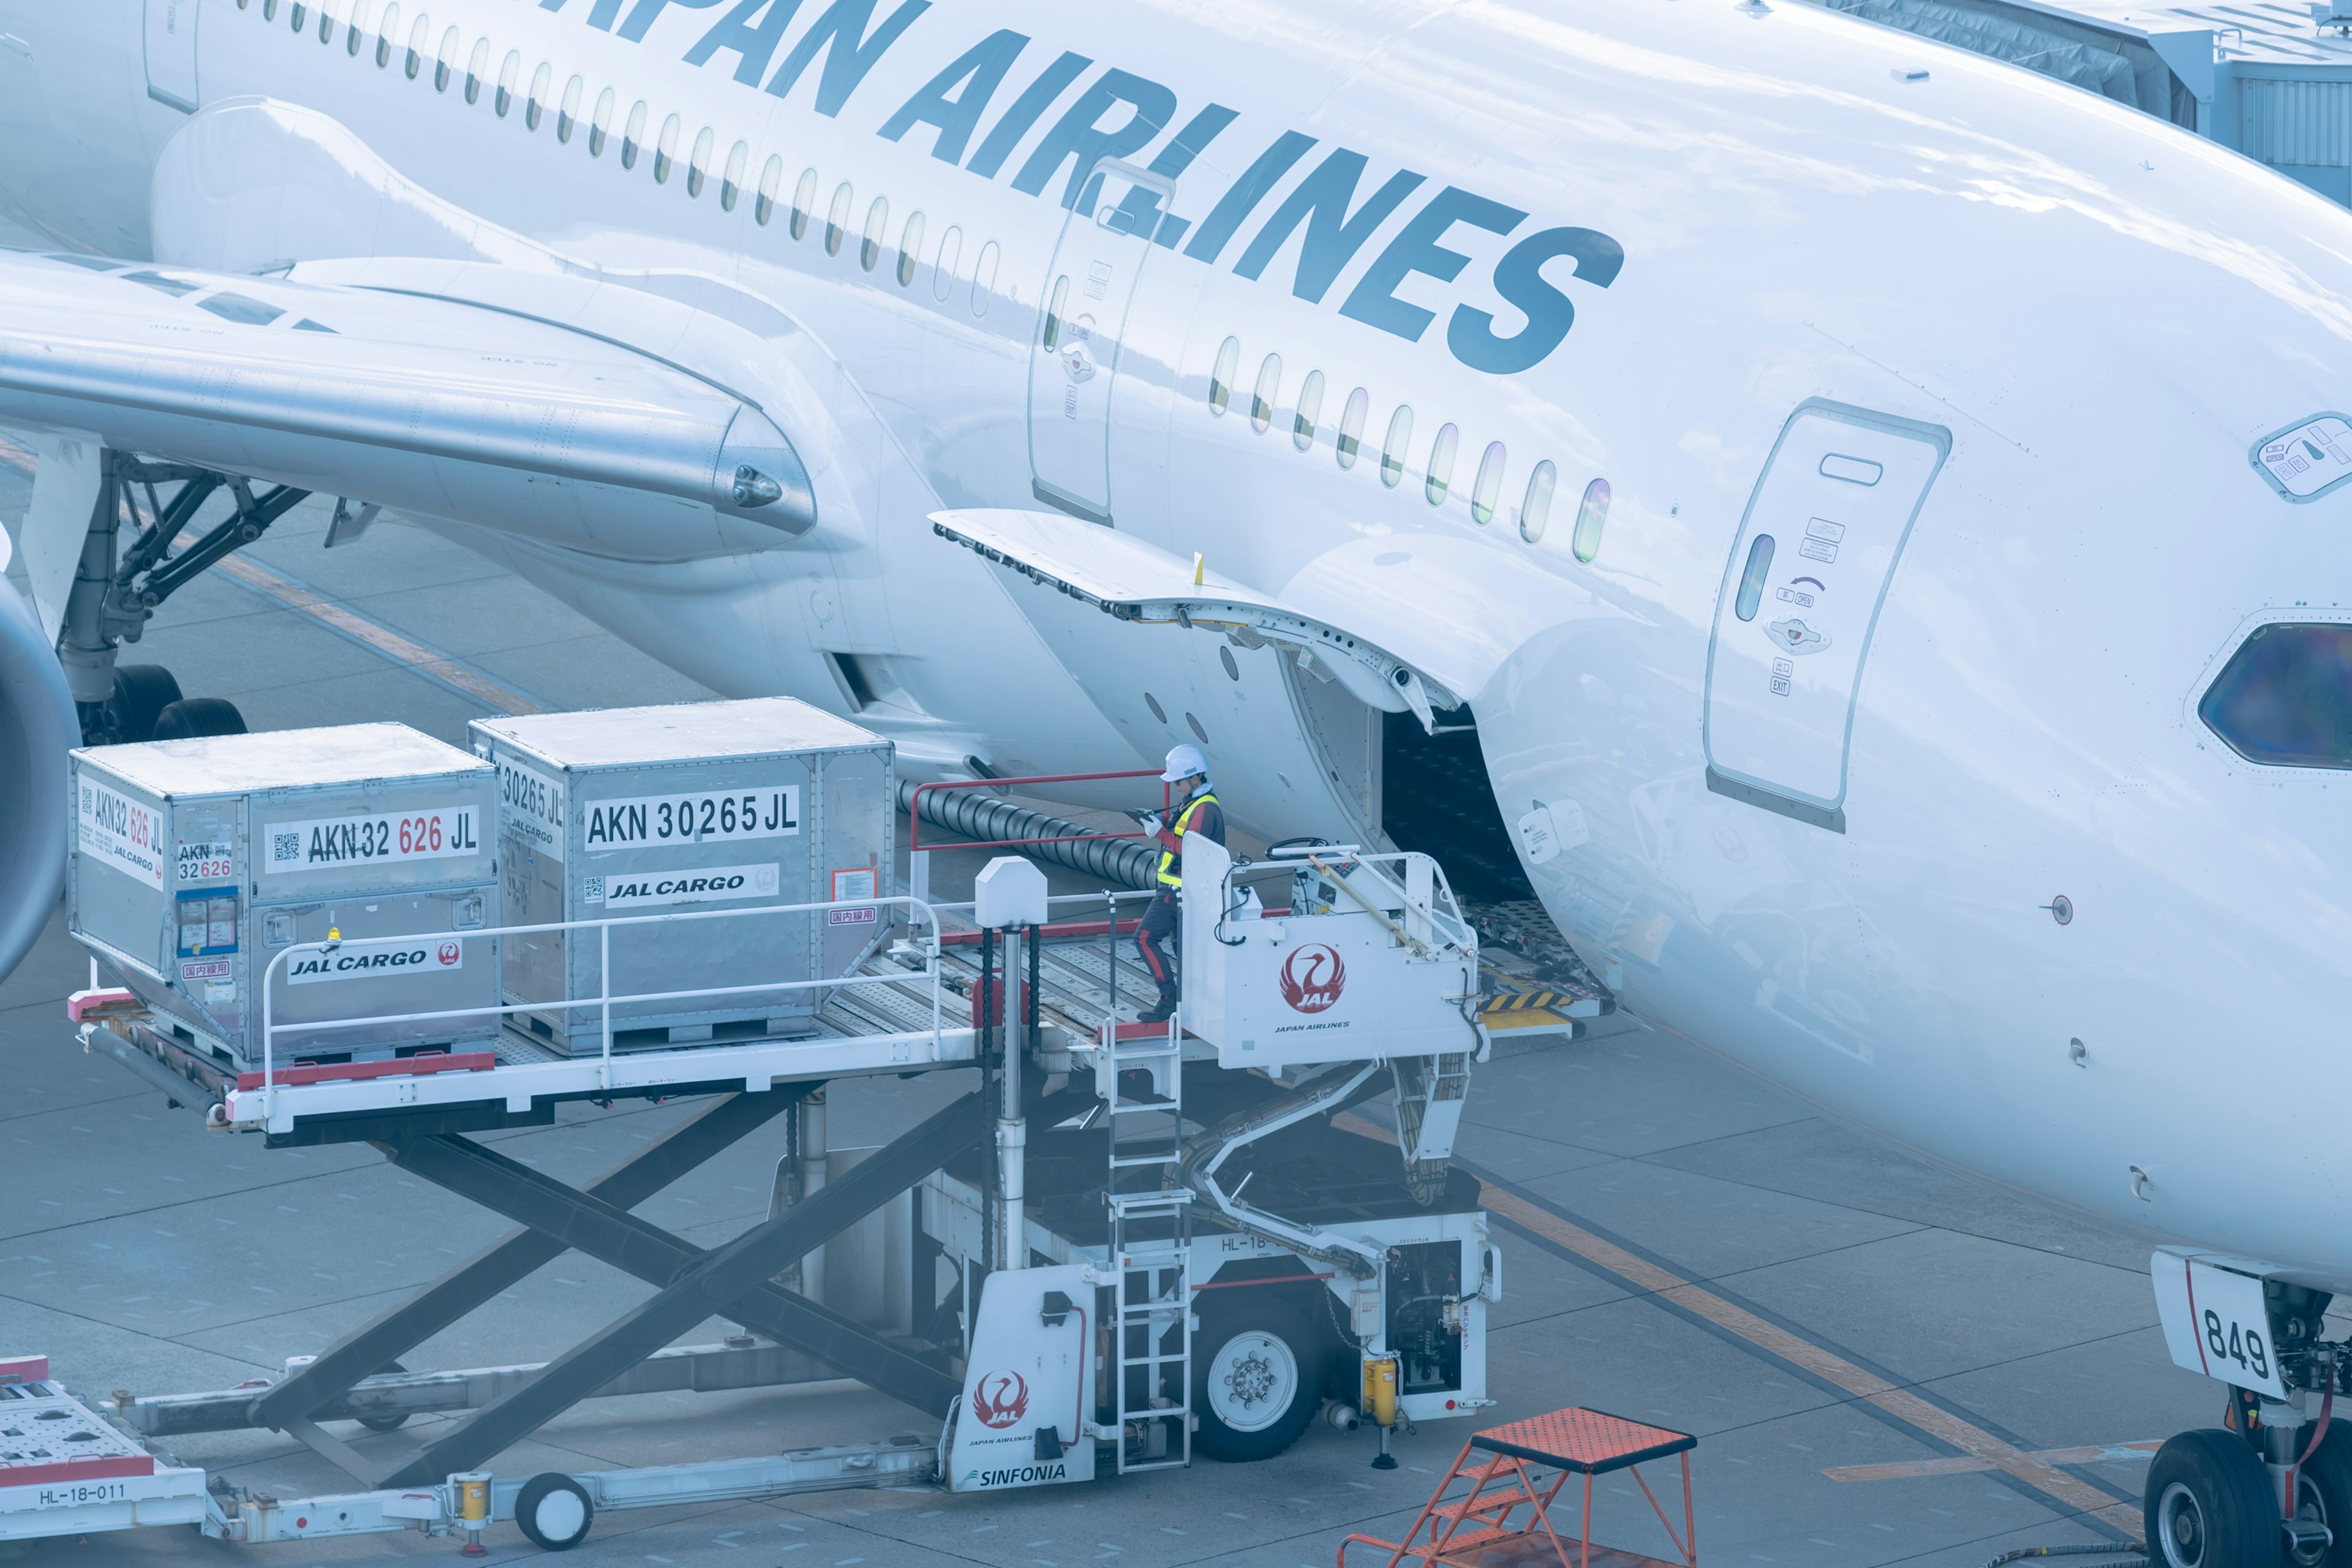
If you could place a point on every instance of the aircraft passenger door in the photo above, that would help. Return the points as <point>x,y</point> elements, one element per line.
<point>1074,360</point>
<point>1800,601</point>
<point>171,39</point>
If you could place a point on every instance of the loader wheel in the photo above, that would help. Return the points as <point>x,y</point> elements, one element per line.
<point>1254,1377</point>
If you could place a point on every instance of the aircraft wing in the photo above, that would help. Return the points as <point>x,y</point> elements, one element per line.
<point>1133,580</point>
<point>418,403</point>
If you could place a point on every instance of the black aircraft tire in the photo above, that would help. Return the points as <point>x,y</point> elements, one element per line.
<point>196,716</point>
<point>2209,1504</point>
<point>1257,1382</point>
<point>2323,1491</point>
<point>142,692</point>
<point>554,1512</point>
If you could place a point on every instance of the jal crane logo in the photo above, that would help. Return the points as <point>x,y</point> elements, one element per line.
<point>999,1398</point>
<point>1312,977</point>
<point>448,954</point>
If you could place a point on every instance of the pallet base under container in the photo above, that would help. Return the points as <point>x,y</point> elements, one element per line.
<point>548,1033</point>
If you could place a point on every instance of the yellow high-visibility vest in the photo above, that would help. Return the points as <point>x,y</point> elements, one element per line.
<point>1168,877</point>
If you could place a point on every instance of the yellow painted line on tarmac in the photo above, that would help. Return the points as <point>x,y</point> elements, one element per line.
<point>1975,1444</point>
<point>381,638</point>
<point>1912,1469</point>
<point>342,617</point>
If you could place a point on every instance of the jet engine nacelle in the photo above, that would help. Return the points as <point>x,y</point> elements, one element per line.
<point>37,724</point>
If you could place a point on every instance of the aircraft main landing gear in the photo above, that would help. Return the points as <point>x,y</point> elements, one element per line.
<point>116,591</point>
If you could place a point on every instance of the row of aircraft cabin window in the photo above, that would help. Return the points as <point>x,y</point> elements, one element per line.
<point>872,237</point>
<point>1437,470</point>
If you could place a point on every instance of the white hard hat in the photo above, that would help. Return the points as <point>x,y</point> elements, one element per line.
<point>1184,762</point>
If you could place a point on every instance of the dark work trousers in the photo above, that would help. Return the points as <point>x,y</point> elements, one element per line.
<point>1160,919</point>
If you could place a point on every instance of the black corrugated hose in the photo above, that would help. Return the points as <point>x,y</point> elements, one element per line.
<point>2118,1556</point>
<point>976,814</point>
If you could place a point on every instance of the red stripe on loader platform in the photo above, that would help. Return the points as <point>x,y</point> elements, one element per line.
<point>399,1066</point>
<point>1973,1441</point>
<point>78,1470</point>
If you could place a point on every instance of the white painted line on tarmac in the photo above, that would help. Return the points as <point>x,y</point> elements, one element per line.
<point>336,615</point>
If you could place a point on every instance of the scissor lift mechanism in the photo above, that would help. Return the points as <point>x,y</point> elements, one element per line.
<point>892,1016</point>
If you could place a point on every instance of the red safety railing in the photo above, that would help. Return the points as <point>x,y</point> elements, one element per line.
<point>915,845</point>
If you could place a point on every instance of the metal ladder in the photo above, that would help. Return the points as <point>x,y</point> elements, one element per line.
<point>1151,1251</point>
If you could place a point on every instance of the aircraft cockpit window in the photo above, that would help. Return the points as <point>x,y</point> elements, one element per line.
<point>1309,411</point>
<point>567,113</point>
<point>1591,517</point>
<point>698,163</point>
<point>1221,377</point>
<point>446,66</point>
<point>836,219</point>
<point>731,184</point>
<point>1392,449</point>
<point>384,34</point>
<point>804,203</point>
<point>510,71</point>
<point>633,135</point>
<point>1751,579</point>
<point>772,180</point>
<point>2286,697</point>
<point>910,246</point>
<point>665,149</point>
<point>1487,488</point>
<point>1262,396</point>
<point>1351,426</point>
<point>1535,509</point>
<point>600,124</point>
<point>480,63</point>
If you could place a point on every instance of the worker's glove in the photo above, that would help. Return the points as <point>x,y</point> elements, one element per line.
<point>1154,825</point>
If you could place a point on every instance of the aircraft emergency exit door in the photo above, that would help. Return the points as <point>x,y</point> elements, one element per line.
<point>1800,598</point>
<point>1073,361</point>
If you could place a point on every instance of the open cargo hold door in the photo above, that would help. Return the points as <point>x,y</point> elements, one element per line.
<point>1133,580</point>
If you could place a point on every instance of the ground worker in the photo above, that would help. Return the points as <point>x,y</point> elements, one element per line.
<point>1187,772</point>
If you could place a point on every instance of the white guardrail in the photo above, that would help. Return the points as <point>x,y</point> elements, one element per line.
<point>604,999</point>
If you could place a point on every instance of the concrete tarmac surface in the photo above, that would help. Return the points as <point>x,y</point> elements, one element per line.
<point>1684,1244</point>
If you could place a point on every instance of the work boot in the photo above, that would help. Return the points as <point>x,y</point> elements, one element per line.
<point>1159,1012</point>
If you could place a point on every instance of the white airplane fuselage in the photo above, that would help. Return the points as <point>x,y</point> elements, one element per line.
<point>2056,328</point>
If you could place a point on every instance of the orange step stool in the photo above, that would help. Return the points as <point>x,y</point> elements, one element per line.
<point>1477,1530</point>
